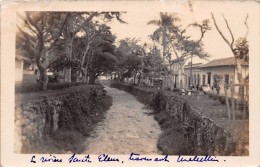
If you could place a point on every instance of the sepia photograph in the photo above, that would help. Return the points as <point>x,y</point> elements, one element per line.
<point>134,82</point>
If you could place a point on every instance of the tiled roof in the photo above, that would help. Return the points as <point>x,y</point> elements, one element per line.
<point>230,61</point>
<point>176,60</point>
<point>197,65</point>
<point>19,57</point>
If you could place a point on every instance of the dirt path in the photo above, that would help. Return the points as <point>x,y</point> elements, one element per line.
<point>128,127</point>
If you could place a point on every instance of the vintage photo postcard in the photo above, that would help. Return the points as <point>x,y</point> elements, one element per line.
<point>130,83</point>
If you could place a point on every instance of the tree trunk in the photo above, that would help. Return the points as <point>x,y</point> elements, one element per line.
<point>83,73</point>
<point>92,79</point>
<point>45,80</point>
<point>40,54</point>
<point>139,79</point>
<point>227,102</point>
<point>68,47</point>
<point>181,78</point>
<point>164,43</point>
<point>134,77</point>
<point>67,75</point>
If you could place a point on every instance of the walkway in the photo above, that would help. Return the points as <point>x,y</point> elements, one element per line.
<point>127,128</point>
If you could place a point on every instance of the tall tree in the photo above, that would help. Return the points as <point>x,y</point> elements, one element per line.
<point>165,22</point>
<point>185,48</point>
<point>153,63</point>
<point>129,61</point>
<point>101,56</point>
<point>240,50</point>
<point>47,28</point>
<point>77,22</point>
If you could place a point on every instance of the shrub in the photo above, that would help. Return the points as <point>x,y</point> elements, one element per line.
<point>83,110</point>
<point>55,86</point>
<point>172,141</point>
<point>176,90</point>
<point>34,87</point>
<point>159,102</point>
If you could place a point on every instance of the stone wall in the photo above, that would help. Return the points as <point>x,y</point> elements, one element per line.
<point>36,120</point>
<point>202,135</point>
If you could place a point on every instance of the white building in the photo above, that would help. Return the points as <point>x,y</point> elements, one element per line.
<point>192,75</point>
<point>19,62</point>
<point>225,68</point>
<point>177,75</point>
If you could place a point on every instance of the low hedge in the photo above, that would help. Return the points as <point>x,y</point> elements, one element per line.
<point>79,110</point>
<point>34,87</point>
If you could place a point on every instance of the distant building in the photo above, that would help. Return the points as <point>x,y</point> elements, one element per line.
<point>177,74</point>
<point>219,71</point>
<point>192,75</point>
<point>224,68</point>
<point>19,63</point>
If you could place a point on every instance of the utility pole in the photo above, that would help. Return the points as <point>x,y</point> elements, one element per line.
<point>191,79</point>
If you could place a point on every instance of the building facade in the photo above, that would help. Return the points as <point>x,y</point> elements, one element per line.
<point>192,75</point>
<point>221,72</point>
<point>19,63</point>
<point>216,72</point>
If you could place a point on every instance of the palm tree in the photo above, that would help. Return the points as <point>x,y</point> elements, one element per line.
<point>165,22</point>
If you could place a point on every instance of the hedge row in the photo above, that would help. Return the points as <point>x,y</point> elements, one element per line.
<point>34,87</point>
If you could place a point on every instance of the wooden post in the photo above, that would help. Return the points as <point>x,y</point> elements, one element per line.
<point>245,102</point>
<point>237,104</point>
<point>227,101</point>
<point>233,101</point>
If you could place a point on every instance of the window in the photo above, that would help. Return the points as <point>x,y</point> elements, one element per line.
<point>203,79</point>
<point>209,78</point>
<point>195,80</point>
<point>226,79</point>
<point>198,77</point>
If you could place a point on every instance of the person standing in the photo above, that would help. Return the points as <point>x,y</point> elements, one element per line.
<point>218,89</point>
<point>197,87</point>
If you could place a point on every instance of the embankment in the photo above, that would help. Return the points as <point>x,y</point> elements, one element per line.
<point>58,121</point>
<point>185,130</point>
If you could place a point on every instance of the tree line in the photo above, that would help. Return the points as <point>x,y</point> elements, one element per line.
<point>82,43</point>
<point>78,42</point>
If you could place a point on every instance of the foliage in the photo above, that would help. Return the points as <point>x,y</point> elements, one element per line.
<point>166,22</point>
<point>153,63</point>
<point>175,42</point>
<point>159,102</point>
<point>54,32</point>
<point>129,54</point>
<point>83,110</point>
<point>34,87</point>
<point>242,49</point>
<point>239,48</point>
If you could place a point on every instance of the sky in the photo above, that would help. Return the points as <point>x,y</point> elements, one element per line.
<point>235,13</point>
<point>138,15</point>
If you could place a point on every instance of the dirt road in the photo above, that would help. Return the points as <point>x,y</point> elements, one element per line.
<point>127,128</point>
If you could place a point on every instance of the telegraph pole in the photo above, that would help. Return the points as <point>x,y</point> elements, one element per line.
<point>191,79</point>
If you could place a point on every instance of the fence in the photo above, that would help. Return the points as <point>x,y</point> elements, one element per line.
<point>239,104</point>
